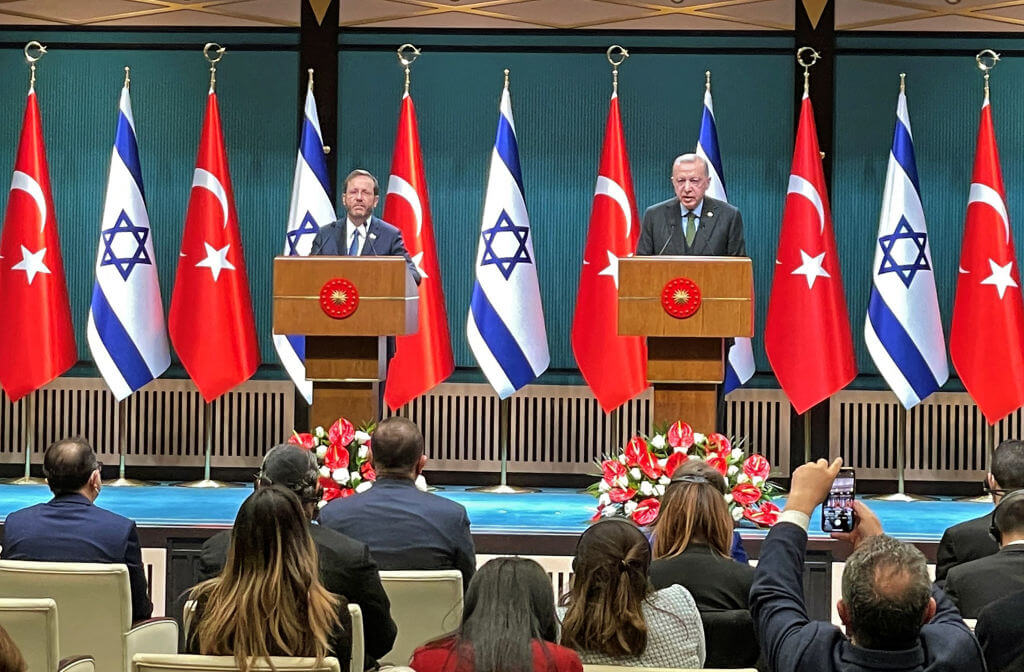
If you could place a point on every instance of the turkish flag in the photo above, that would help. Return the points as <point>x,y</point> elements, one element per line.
<point>615,367</point>
<point>987,339</point>
<point>424,359</point>
<point>807,333</point>
<point>211,321</point>
<point>37,341</point>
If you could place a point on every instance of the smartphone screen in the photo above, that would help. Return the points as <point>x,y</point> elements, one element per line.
<point>837,511</point>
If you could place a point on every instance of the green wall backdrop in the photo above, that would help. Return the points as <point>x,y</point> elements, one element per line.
<point>560,91</point>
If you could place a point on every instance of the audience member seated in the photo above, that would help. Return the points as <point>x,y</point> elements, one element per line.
<point>508,623</point>
<point>611,614</point>
<point>970,539</point>
<point>691,541</point>
<point>999,631</point>
<point>268,600</point>
<point>11,659</point>
<point>974,585</point>
<point>404,527</point>
<point>71,528</point>
<point>346,568</point>
<point>894,618</point>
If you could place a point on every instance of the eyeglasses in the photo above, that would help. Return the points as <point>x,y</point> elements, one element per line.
<point>98,467</point>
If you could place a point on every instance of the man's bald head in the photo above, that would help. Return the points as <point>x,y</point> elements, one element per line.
<point>68,465</point>
<point>397,447</point>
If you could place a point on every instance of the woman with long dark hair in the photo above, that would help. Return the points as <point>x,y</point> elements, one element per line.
<point>612,614</point>
<point>508,625</point>
<point>268,600</point>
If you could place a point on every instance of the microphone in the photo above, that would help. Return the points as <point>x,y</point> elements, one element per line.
<point>671,235</point>
<point>314,250</point>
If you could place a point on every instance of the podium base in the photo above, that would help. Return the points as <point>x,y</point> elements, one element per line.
<point>207,483</point>
<point>503,490</point>
<point>902,497</point>
<point>124,483</point>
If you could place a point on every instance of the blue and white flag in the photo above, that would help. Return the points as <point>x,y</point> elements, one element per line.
<point>310,209</point>
<point>903,329</point>
<point>126,330</point>
<point>506,320</point>
<point>740,363</point>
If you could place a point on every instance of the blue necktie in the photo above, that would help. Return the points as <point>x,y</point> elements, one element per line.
<point>353,249</point>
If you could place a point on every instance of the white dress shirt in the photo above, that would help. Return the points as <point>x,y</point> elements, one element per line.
<point>349,229</point>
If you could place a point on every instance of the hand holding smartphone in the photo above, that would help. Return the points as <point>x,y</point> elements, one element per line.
<point>837,509</point>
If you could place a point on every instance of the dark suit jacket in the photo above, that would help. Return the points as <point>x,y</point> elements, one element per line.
<point>346,569</point>
<point>790,641</point>
<point>974,585</point>
<point>962,543</point>
<point>998,630</point>
<point>406,528</point>
<point>70,528</point>
<point>716,583</point>
<point>719,233</point>
<point>382,240</point>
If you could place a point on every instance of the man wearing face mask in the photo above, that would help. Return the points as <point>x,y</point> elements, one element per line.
<point>692,223</point>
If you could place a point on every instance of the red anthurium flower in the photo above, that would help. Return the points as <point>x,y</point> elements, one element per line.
<point>717,462</point>
<point>765,516</point>
<point>635,449</point>
<point>367,471</point>
<point>719,441</point>
<point>649,465</point>
<point>304,440</point>
<point>746,494</point>
<point>680,435</point>
<point>341,433</point>
<point>675,460</point>
<point>597,516</point>
<point>336,458</point>
<point>612,469</point>
<point>756,465</point>
<point>621,495</point>
<point>646,511</point>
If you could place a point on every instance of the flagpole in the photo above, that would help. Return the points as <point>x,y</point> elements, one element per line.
<point>206,481</point>
<point>28,423</point>
<point>901,464</point>
<point>122,448</point>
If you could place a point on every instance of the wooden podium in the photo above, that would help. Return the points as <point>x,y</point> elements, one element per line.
<point>345,357</point>
<point>685,356</point>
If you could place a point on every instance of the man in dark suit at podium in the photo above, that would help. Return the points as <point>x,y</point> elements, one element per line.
<point>692,223</point>
<point>360,233</point>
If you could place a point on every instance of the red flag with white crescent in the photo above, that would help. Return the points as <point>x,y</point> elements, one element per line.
<point>615,367</point>
<point>424,359</point>
<point>807,332</point>
<point>986,342</point>
<point>211,320</point>
<point>37,340</point>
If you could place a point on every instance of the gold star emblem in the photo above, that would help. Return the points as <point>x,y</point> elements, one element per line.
<point>680,297</point>
<point>339,297</point>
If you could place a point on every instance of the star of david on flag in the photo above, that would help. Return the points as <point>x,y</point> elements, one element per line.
<point>903,329</point>
<point>126,330</point>
<point>310,209</point>
<point>506,328</point>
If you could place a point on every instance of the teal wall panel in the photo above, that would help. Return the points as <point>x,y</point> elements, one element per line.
<point>560,100</point>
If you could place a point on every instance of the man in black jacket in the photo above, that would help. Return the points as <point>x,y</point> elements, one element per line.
<point>346,567</point>
<point>970,539</point>
<point>998,630</point>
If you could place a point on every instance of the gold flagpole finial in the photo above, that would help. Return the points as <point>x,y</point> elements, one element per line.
<point>309,81</point>
<point>993,58</point>
<point>213,60</point>
<point>127,77</point>
<point>407,55</point>
<point>812,58</point>
<point>903,82</point>
<point>617,55</point>
<point>707,81</point>
<point>31,59</point>
<point>506,78</point>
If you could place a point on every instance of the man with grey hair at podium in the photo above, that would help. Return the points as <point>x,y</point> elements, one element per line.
<point>691,223</point>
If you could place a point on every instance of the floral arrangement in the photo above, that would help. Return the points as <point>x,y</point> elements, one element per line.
<point>343,453</point>
<point>634,480</point>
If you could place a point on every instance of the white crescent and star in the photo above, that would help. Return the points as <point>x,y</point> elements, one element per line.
<point>204,179</point>
<point>32,263</point>
<point>982,193</point>
<point>1001,277</point>
<point>802,187</point>
<point>402,189</point>
<point>216,260</point>
<point>811,268</point>
<point>608,187</point>
<point>28,184</point>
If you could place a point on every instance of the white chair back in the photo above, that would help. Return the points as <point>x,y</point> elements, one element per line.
<point>358,648</point>
<point>32,625</point>
<point>424,605</point>
<point>150,662</point>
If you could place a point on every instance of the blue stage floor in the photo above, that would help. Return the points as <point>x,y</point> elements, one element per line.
<point>551,511</point>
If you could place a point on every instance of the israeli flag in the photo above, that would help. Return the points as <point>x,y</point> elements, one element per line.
<point>506,320</point>
<point>740,363</point>
<point>310,209</point>
<point>903,329</point>
<point>126,331</point>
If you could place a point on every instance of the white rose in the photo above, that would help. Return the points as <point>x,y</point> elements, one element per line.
<point>320,433</point>
<point>646,489</point>
<point>664,480</point>
<point>728,499</point>
<point>321,451</point>
<point>737,454</point>
<point>603,486</point>
<point>361,436</point>
<point>622,459</point>
<point>363,452</point>
<point>679,449</point>
<point>737,513</point>
<point>629,507</point>
<point>364,486</point>
<point>698,437</point>
<point>604,500</point>
<point>610,511</point>
<point>662,462</point>
<point>659,490</point>
<point>340,476</point>
<point>658,441</point>
<point>325,472</point>
<point>621,482</point>
<point>733,470</point>
<point>742,478</point>
<point>635,473</point>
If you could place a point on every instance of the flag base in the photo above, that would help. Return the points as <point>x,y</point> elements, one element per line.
<point>902,497</point>
<point>503,490</point>
<point>123,482</point>
<point>207,483</point>
<point>27,480</point>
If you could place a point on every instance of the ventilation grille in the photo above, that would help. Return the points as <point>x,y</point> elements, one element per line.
<point>761,419</point>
